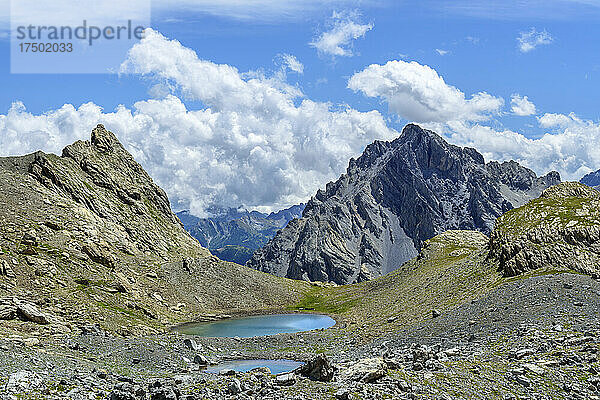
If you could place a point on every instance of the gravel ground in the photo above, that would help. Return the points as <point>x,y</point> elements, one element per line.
<point>531,338</point>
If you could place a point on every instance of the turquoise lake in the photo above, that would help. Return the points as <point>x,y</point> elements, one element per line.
<point>276,366</point>
<point>260,325</point>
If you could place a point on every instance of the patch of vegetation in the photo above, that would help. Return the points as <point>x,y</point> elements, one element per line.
<point>325,301</point>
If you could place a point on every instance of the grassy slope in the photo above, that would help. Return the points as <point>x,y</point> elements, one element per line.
<point>451,270</point>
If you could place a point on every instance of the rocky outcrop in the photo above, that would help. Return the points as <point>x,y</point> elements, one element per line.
<point>89,237</point>
<point>317,369</point>
<point>391,199</point>
<point>560,230</point>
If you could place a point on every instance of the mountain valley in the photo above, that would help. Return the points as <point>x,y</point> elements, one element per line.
<point>495,295</point>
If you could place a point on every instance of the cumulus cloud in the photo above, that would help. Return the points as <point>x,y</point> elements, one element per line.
<point>528,41</point>
<point>416,92</point>
<point>292,63</point>
<point>569,148</point>
<point>258,142</point>
<point>346,27</point>
<point>521,105</point>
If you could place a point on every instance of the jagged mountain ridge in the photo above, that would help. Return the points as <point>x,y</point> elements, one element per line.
<point>392,198</point>
<point>234,234</point>
<point>592,179</point>
<point>89,238</point>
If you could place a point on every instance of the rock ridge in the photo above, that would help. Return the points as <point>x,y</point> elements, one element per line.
<point>391,199</point>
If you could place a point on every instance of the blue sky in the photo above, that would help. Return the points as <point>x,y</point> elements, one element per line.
<point>472,45</point>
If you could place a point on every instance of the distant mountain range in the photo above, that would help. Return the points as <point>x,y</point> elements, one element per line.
<point>391,199</point>
<point>592,179</point>
<point>234,234</point>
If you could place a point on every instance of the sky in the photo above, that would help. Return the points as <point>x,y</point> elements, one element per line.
<point>259,104</point>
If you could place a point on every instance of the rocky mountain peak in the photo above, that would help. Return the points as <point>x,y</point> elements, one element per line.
<point>592,179</point>
<point>103,139</point>
<point>91,231</point>
<point>393,197</point>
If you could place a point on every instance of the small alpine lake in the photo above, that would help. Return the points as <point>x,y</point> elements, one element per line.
<point>276,366</point>
<point>258,325</point>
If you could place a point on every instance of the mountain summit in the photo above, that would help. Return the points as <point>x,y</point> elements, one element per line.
<point>392,198</point>
<point>87,237</point>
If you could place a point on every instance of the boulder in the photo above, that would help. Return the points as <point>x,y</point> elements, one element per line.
<point>8,312</point>
<point>23,382</point>
<point>285,379</point>
<point>200,359</point>
<point>317,369</point>
<point>190,344</point>
<point>366,370</point>
<point>234,387</point>
<point>6,270</point>
<point>99,255</point>
<point>29,312</point>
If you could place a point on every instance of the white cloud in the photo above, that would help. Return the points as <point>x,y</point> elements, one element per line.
<point>559,121</point>
<point>292,63</point>
<point>529,40</point>
<point>270,11</point>
<point>442,52</point>
<point>569,149</point>
<point>258,142</point>
<point>346,27</point>
<point>416,92</point>
<point>473,39</point>
<point>521,105</point>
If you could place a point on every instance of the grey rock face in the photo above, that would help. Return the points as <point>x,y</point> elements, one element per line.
<point>391,199</point>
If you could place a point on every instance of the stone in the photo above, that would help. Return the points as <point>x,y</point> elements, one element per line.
<point>99,255</point>
<point>234,386</point>
<point>23,382</point>
<point>366,370</point>
<point>524,353</point>
<point>226,372</point>
<point>317,369</point>
<point>32,341</point>
<point>285,379</point>
<point>6,270</point>
<point>190,344</point>
<point>30,239</point>
<point>8,312</point>
<point>534,368</point>
<point>342,394</point>
<point>29,312</point>
<point>200,360</point>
